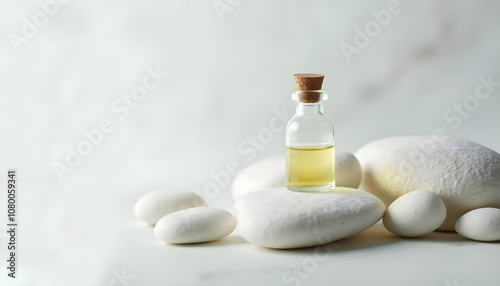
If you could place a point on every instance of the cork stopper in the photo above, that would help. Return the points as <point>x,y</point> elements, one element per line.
<point>309,84</point>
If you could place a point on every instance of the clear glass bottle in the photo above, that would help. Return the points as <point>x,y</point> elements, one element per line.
<point>310,145</point>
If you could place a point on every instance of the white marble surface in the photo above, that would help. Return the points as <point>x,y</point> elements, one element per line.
<point>116,242</point>
<point>226,82</point>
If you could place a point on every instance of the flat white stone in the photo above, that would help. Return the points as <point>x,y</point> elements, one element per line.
<point>157,204</point>
<point>279,218</point>
<point>415,214</point>
<point>195,225</point>
<point>270,173</point>
<point>464,174</point>
<point>480,224</point>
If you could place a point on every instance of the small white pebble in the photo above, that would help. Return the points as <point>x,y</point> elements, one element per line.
<point>480,224</point>
<point>347,170</point>
<point>415,214</point>
<point>155,205</point>
<point>195,225</point>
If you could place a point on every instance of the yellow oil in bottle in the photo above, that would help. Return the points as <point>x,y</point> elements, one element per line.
<point>310,169</point>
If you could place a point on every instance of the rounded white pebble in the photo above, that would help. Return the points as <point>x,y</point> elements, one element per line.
<point>195,225</point>
<point>155,205</point>
<point>480,224</point>
<point>415,214</point>
<point>347,170</point>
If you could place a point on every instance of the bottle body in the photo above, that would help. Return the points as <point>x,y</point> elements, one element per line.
<point>310,150</point>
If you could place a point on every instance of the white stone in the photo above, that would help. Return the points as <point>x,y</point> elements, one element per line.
<point>266,173</point>
<point>279,218</point>
<point>415,214</point>
<point>480,224</point>
<point>155,205</point>
<point>347,170</point>
<point>270,173</point>
<point>195,225</point>
<point>464,174</point>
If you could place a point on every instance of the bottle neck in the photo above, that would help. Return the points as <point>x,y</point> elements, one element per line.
<point>309,109</point>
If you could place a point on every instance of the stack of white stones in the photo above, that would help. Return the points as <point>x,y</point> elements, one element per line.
<point>464,174</point>
<point>426,183</point>
<point>270,215</point>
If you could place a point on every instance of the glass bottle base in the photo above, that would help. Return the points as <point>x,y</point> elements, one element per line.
<point>312,189</point>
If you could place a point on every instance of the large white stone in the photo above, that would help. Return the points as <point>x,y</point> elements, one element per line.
<point>270,173</point>
<point>279,218</point>
<point>464,174</point>
<point>195,225</point>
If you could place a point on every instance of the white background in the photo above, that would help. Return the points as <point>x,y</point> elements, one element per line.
<point>228,74</point>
